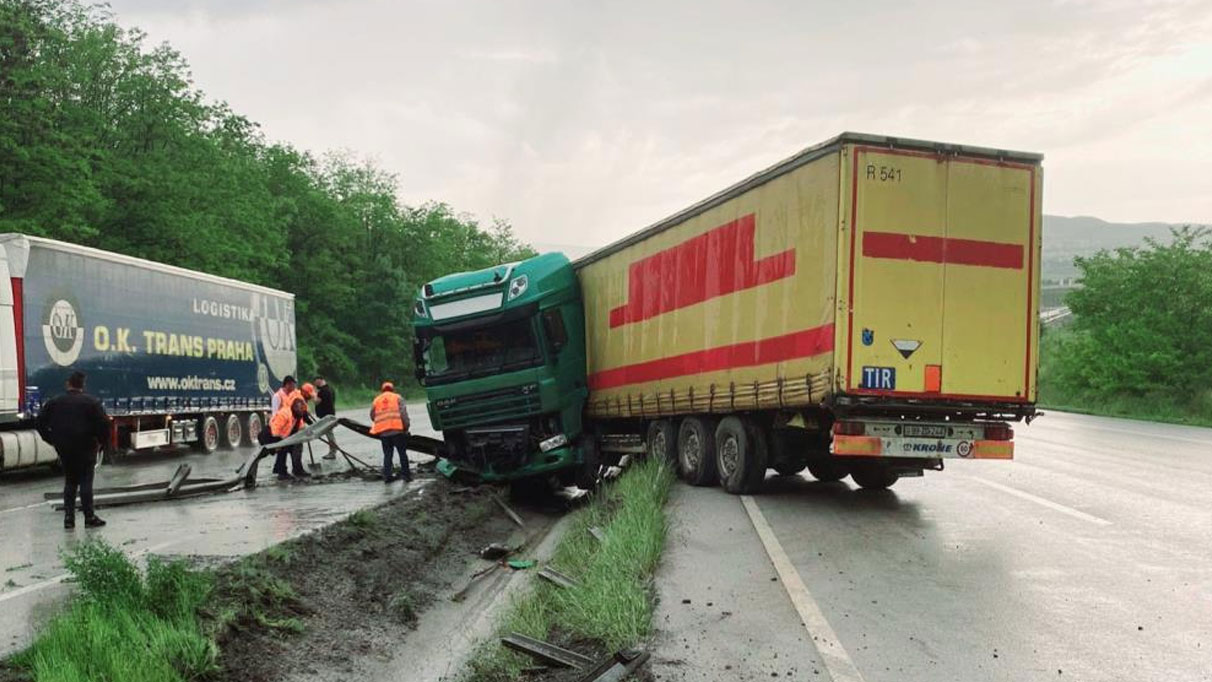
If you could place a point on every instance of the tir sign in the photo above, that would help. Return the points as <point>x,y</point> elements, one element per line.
<point>906,347</point>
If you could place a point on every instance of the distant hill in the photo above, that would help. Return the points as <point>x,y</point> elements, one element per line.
<point>1064,238</point>
<point>1068,237</point>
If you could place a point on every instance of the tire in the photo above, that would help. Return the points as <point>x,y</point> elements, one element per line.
<point>590,472</point>
<point>696,451</point>
<point>741,448</point>
<point>233,431</point>
<point>827,471</point>
<point>208,435</point>
<point>873,477</point>
<point>253,426</point>
<point>661,441</point>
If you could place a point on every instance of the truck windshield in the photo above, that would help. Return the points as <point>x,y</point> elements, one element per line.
<point>478,352</point>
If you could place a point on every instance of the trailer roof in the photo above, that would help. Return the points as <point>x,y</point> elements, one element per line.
<point>26,241</point>
<point>795,161</point>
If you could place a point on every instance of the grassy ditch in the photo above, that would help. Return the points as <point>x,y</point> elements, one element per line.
<point>123,624</point>
<point>613,606</point>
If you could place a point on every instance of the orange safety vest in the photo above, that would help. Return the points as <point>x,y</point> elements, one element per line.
<point>388,414</point>
<point>283,423</point>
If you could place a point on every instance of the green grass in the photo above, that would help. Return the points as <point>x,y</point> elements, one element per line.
<point>613,605</point>
<point>125,625</point>
<point>358,396</point>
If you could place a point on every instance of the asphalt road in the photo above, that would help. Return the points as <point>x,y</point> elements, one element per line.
<point>32,537</point>
<point>1089,557</point>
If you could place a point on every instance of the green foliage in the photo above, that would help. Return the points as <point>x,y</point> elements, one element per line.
<point>105,141</point>
<point>613,605</point>
<point>1141,324</point>
<point>125,626</point>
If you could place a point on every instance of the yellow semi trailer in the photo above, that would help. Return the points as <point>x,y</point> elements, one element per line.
<point>867,307</point>
<point>869,297</point>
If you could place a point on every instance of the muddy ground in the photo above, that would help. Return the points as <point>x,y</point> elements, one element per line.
<point>330,604</point>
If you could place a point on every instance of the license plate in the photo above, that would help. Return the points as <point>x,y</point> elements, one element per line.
<point>924,431</point>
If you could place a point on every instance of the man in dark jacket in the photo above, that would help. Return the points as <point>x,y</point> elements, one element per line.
<point>326,404</point>
<point>76,424</point>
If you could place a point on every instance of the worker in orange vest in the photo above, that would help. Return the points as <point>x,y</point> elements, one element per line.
<point>389,423</point>
<point>291,417</point>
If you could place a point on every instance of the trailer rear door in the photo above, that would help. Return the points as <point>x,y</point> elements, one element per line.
<point>941,276</point>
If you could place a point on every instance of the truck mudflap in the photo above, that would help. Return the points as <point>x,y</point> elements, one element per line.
<point>887,438</point>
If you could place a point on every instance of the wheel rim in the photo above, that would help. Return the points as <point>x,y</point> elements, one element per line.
<point>730,455</point>
<point>233,430</point>
<point>254,427</point>
<point>691,451</point>
<point>211,435</point>
<point>659,445</point>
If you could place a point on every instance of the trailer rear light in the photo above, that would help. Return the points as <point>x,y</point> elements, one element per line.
<point>849,428</point>
<point>999,432</point>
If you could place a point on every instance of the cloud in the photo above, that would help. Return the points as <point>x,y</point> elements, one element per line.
<point>596,119</point>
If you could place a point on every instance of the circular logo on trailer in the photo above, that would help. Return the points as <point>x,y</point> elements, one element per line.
<point>262,377</point>
<point>62,333</point>
<point>964,449</point>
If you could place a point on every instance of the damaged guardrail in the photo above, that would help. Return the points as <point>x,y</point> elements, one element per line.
<point>182,486</point>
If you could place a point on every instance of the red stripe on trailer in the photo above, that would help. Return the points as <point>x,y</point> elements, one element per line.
<point>713,264</point>
<point>19,332</point>
<point>926,249</point>
<point>801,344</point>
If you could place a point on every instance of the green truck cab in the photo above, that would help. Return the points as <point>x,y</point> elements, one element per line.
<point>501,354</point>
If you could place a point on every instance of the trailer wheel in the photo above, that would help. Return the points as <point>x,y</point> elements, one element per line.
<point>827,471</point>
<point>252,434</point>
<point>696,451</point>
<point>741,449</point>
<point>233,430</point>
<point>208,435</point>
<point>661,442</point>
<point>873,476</point>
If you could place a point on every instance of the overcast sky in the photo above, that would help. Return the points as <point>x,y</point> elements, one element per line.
<point>580,122</point>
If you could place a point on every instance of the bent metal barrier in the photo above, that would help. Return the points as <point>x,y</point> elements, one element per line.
<point>181,486</point>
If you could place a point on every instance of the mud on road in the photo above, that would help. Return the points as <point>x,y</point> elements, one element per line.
<point>341,601</point>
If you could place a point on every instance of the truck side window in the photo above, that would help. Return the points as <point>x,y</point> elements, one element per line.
<point>553,326</point>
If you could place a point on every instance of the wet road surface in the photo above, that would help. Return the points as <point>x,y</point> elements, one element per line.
<point>1087,558</point>
<point>221,525</point>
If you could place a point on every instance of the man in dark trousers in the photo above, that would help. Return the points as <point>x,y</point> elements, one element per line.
<point>76,424</point>
<point>326,404</point>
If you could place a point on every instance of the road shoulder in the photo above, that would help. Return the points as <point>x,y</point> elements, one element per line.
<point>721,611</point>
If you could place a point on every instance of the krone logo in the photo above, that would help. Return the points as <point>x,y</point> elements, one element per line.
<point>62,333</point>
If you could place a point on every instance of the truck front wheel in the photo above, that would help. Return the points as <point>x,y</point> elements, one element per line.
<point>696,451</point>
<point>589,474</point>
<point>661,442</point>
<point>873,476</point>
<point>741,450</point>
<point>208,435</point>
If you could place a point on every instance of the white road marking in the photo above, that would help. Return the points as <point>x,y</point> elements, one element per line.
<point>64,576</point>
<point>1054,506</point>
<point>837,661</point>
<point>28,506</point>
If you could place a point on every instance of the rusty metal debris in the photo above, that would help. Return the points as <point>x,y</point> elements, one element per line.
<point>512,514</point>
<point>546,651</point>
<point>556,578</point>
<point>617,666</point>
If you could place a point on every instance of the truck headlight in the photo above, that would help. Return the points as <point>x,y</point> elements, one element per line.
<point>419,307</point>
<point>557,441</point>
<point>517,287</point>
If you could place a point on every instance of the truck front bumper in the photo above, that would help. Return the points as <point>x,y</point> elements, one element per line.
<point>539,464</point>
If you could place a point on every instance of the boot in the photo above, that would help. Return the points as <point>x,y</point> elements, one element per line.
<point>69,521</point>
<point>93,521</point>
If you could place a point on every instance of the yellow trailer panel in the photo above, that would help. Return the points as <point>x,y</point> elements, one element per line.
<point>757,297</point>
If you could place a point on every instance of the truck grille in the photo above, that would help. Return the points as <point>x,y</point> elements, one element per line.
<point>487,408</point>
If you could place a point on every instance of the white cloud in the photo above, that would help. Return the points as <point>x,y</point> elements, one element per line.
<point>589,120</point>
